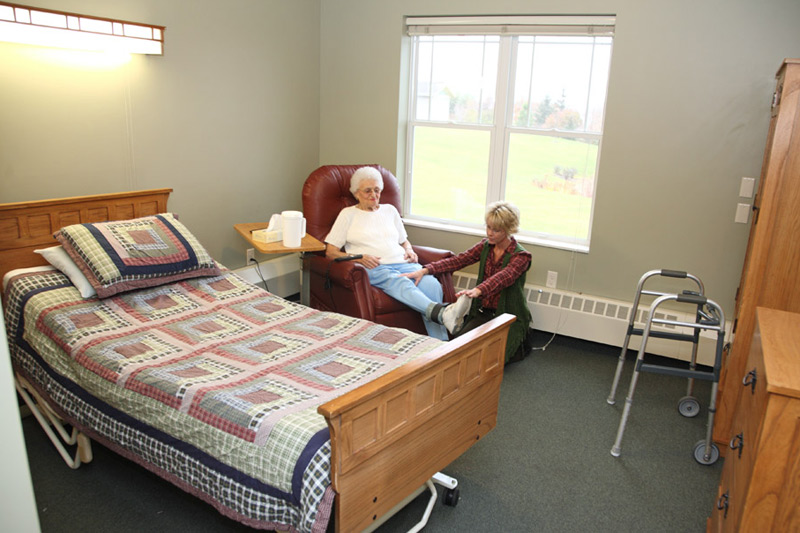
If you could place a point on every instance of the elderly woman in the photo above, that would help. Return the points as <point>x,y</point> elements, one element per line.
<point>501,277</point>
<point>375,232</point>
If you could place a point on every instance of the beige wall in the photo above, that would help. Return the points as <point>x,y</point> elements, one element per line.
<point>248,99</point>
<point>228,117</point>
<point>687,116</point>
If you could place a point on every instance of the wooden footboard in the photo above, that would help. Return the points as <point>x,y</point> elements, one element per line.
<point>390,436</point>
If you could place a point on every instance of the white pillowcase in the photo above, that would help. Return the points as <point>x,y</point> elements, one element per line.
<point>59,258</point>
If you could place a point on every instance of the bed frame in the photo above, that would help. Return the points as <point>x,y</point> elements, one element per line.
<point>388,437</point>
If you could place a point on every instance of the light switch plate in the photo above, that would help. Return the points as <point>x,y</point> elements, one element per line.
<point>747,187</point>
<point>742,213</point>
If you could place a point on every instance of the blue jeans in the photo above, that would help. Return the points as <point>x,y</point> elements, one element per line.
<point>417,297</point>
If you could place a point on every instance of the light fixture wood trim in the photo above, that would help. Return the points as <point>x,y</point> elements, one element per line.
<point>119,27</point>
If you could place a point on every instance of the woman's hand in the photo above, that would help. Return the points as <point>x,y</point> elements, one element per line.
<point>410,255</point>
<point>416,275</point>
<point>369,261</point>
<point>472,293</point>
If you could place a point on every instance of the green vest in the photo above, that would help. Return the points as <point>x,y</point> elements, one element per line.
<point>512,300</point>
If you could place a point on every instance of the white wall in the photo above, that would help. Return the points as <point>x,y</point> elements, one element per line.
<point>17,503</point>
<point>228,117</point>
<point>687,116</point>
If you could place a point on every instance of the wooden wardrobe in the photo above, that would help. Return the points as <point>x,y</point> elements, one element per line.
<point>772,262</point>
<point>760,485</point>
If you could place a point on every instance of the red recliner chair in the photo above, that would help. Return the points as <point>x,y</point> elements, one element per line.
<point>344,287</point>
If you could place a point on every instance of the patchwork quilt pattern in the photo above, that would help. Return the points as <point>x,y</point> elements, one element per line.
<point>117,256</point>
<point>216,364</point>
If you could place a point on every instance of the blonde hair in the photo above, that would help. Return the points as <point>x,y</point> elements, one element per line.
<point>503,216</point>
<point>365,173</point>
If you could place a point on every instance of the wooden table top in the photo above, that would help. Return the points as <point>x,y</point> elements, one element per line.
<point>308,244</point>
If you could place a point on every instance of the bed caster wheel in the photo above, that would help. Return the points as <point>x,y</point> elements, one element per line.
<point>688,406</point>
<point>700,450</point>
<point>450,497</point>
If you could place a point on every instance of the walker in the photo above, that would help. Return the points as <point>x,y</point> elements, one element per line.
<point>709,316</point>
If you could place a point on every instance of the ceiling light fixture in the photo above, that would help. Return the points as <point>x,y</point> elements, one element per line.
<point>46,27</point>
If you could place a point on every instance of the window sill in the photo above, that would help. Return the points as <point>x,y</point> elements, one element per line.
<point>480,232</point>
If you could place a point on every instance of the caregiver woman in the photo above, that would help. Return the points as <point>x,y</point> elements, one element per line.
<point>501,277</point>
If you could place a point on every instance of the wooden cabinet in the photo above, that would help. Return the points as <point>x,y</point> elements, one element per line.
<point>760,487</point>
<point>772,262</point>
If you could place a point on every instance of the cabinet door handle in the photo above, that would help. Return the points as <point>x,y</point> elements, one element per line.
<point>722,504</point>
<point>737,442</point>
<point>750,380</point>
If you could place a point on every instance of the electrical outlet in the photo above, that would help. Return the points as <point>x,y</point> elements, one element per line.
<point>251,254</point>
<point>552,279</point>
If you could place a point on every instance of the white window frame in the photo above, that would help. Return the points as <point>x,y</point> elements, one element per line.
<point>501,130</point>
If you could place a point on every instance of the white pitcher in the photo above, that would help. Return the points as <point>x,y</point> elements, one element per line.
<point>294,228</point>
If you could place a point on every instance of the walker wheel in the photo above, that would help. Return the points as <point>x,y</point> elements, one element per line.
<point>700,450</point>
<point>450,497</point>
<point>688,406</point>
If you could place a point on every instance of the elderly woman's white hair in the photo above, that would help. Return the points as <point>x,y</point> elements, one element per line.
<point>365,173</point>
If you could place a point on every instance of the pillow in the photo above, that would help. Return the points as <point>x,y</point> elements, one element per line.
<point>121,255</point>
<point>57,257</point>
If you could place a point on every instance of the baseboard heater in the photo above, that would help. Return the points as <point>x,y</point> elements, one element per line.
<point>604,320</point>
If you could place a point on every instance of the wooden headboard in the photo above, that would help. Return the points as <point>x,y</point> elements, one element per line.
<point>26,226</point>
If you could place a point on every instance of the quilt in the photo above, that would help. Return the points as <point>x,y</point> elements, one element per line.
<point>211,382</point>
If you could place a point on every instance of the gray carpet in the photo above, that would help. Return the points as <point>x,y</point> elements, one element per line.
<point>546,467</point>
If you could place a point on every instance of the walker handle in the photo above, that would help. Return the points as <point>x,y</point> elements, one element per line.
<point>673,273</point>
<point>692,299</point>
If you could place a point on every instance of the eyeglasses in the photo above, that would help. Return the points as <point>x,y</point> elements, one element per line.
<point>375,190</point>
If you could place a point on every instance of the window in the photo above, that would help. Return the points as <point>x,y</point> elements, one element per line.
<point>507,108</point>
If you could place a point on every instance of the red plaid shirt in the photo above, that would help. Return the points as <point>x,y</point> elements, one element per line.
<point>495,278</point>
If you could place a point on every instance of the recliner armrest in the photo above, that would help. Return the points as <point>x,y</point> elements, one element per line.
<point>428,254</point>
<point>345,273</point>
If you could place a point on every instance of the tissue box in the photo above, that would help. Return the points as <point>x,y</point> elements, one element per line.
<point>263,235</point>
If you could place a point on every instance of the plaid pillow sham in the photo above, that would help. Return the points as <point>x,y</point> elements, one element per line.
<point>123,255</point>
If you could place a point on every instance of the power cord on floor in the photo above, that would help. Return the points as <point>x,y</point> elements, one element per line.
<point>544,347</point>
<point>258,270</point>
<point>570,285</point>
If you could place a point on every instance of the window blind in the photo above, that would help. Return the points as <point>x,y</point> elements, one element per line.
<point>599,25</point>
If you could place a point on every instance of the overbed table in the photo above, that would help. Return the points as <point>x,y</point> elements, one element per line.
<point>307,245</point>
